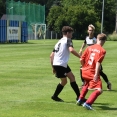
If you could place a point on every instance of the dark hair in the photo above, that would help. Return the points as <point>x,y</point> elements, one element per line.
<point>66,29</point>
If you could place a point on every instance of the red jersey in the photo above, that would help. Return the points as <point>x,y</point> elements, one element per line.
<point>91,56</point>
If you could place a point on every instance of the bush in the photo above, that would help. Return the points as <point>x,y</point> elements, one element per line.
<point>112,37</point>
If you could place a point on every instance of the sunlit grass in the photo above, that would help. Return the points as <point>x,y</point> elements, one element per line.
<point>27,82</point>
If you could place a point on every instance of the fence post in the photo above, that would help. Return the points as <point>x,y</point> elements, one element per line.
<point>51,34</point>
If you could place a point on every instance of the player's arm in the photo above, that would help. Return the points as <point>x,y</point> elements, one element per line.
<point>98,65</point>
<point>73,51</point>
<point>82,47</point>
<point>82,59</point>
<point>97,70</point>
<point>51,60</point>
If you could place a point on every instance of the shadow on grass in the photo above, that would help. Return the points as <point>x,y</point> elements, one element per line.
<point>104,106</point>
<point>111,90</point>
<point>70,102</point>
<point>107,108</point>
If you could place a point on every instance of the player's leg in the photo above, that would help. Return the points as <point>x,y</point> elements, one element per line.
<point>93,96</point>
<point>58,89</point>
<point>97,86</point>
<point>60,71</point>
<point>91,99</point>
<point>73,83</point>
<point>104,76</point>
<point>83,93</point>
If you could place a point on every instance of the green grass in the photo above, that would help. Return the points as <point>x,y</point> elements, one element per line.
<point>27,82</point>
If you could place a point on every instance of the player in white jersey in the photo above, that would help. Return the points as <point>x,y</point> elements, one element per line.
<point>91,40</point>
<point>59,61</point>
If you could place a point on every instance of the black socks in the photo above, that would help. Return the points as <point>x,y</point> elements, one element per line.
<point>59,88</point>
<point>75,88</point>
<point>104,76</point>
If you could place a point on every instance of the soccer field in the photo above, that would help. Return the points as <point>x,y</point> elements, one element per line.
<point>27,82</point>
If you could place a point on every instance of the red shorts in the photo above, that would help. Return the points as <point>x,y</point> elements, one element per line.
<point>93,85</point>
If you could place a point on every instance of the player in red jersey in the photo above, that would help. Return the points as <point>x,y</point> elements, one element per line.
<point>91,40</point>
<point>91,62</point>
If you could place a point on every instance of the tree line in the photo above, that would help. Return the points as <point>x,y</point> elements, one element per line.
<point>76,13</point>
<point>80,13</point>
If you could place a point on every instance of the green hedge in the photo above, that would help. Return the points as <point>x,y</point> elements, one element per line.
<point>112,37</point>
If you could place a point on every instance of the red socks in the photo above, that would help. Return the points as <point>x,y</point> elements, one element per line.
<point>93,97</point>
<point>83,92</point>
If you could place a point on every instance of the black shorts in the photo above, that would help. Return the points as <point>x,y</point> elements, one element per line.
<point>61,71</point>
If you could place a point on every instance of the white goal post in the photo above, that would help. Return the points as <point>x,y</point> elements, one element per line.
<point>39,30</point>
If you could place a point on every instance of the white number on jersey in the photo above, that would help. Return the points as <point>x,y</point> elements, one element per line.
<point>91,59</point>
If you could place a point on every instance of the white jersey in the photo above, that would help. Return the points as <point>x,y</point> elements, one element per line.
<point>91,41</point>
<point>61,52</point>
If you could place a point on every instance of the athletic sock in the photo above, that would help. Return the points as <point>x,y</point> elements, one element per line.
<point>104,76</point>
<point>93,97</point>
<point>83,92</point>
<point>75,88</point>
<point>59,88</point>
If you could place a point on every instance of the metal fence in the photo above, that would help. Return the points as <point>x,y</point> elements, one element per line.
<point>28,12</point>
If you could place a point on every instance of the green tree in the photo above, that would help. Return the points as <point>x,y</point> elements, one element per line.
<point>48,5</point>
<point>79,18</point>
<point>79,14</point>
<point>76,16</point>
<point>109,14</point>
<point>66,3</point>
<point>2,7</point>
<point>55,22</point>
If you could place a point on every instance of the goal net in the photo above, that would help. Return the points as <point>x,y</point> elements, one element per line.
<point>39,30</point>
